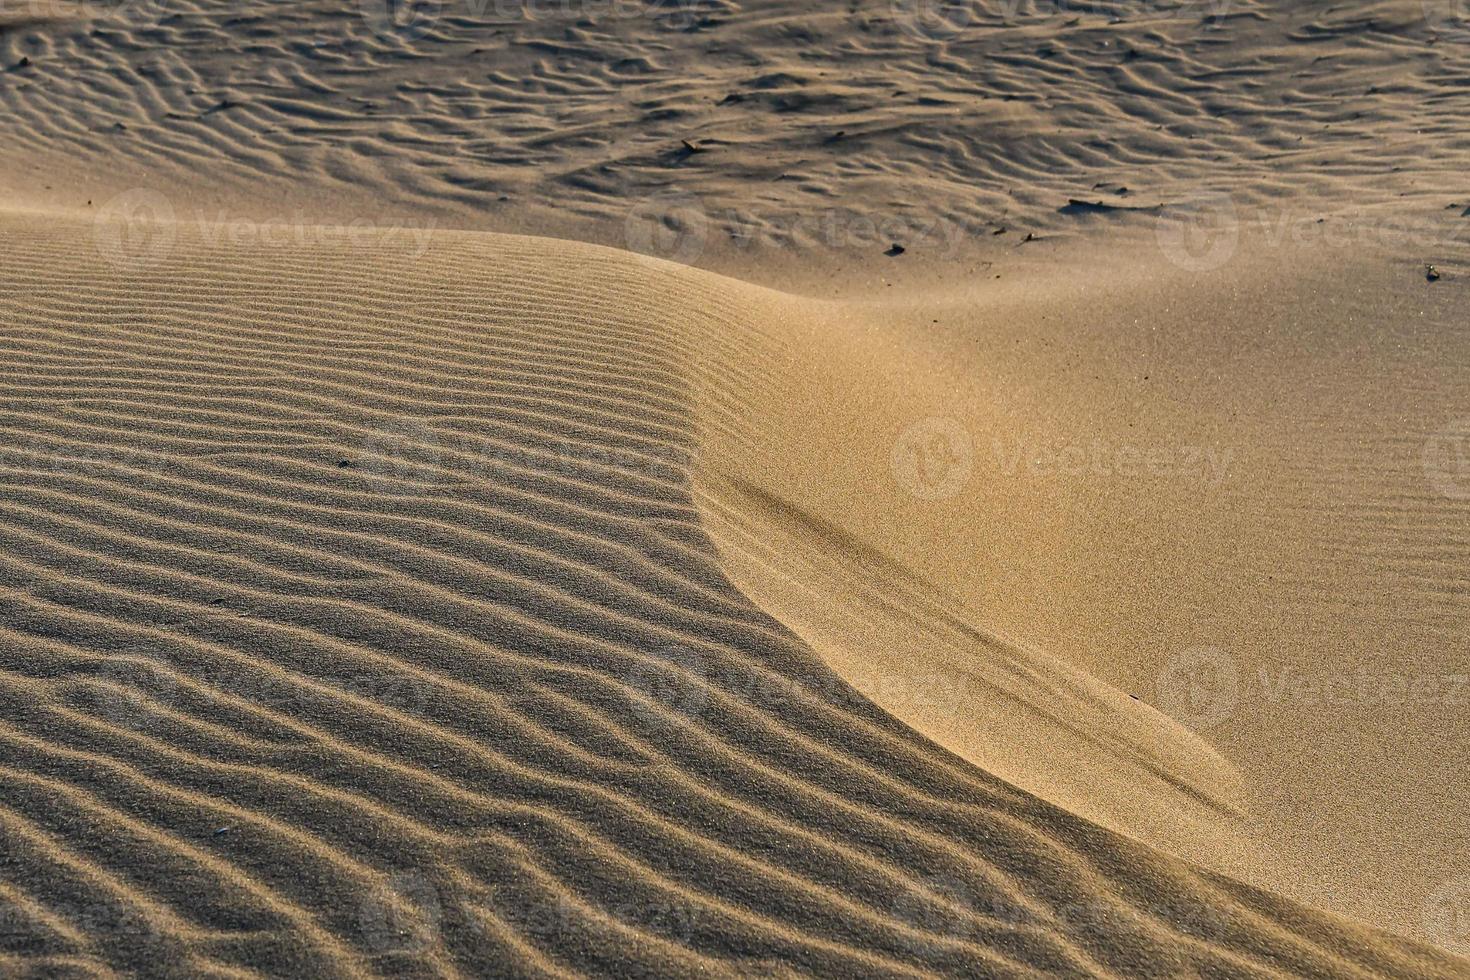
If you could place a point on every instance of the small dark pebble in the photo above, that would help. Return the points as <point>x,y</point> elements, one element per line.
<point>343,464</point>
<point>894,250</point>
<point>1431,273</point>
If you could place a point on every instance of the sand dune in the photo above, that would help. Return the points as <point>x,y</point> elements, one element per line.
<point>366,622</point>
<point>1207,490</point>
<point>781,473</point>
<point>482,494</point>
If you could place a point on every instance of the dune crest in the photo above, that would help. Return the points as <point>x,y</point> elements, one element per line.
<point>800,423</point>
<point>359,619</point>
<point>1032,720</point>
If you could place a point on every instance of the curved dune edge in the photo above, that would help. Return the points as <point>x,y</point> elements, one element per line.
<point>780,466</point>
<point>1031,720</point>
<point>358,619</point>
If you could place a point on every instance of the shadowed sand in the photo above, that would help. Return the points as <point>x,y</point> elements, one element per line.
<point>359,622</point>
<point>1079,588</point>
<point>833,125</point>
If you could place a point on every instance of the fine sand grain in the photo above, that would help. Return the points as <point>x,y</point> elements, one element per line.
<point>734,488</point>
<point>363,622</point>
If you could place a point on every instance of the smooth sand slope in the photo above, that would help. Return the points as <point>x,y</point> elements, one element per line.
<point>379,595</point>
<point>1237,496</point>
<point>365,622</point>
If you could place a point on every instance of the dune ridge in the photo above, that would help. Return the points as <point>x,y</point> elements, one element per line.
<point>1034,721</point>
<point>359,621</point>
<point>797,420</point>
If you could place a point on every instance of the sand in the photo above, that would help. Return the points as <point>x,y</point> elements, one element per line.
<point>478,499</point>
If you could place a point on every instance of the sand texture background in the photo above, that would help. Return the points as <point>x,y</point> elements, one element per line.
<point>476,498</point>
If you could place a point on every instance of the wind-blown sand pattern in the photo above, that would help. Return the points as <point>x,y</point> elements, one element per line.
<point>559,113</point>
<point>1077,588</point>
<point>365,624</point>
